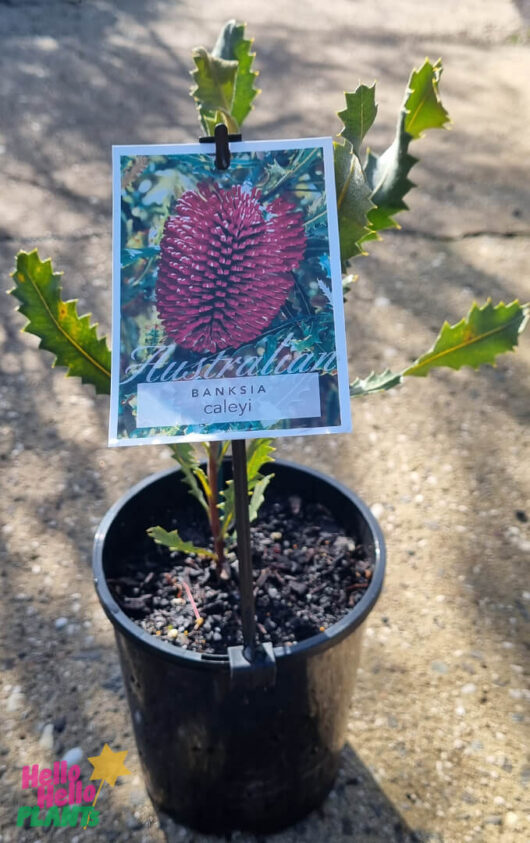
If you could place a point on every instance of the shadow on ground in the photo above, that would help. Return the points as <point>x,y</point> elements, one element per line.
<point>361,812</point>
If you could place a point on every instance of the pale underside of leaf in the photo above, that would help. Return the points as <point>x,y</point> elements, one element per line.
<point>232,45</point>
<point>258,496</point>
<point>214,88</point>
<point>353,200</point>
<point>375,383</point>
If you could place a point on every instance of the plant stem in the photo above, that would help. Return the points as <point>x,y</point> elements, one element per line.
<point>213,501</point>
<point>244,552</point>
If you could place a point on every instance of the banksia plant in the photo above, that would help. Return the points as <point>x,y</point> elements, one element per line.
<point>226,266</point>
<point>227,260</point>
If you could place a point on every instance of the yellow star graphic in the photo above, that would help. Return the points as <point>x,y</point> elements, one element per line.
<point>109,765</point>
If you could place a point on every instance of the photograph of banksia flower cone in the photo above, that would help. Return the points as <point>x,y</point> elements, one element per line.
<point>225,274</point>
<point>226,265</point>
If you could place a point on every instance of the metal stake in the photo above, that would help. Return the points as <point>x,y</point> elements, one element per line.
<point>246,585</point>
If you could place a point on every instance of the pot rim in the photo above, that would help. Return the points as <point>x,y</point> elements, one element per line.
<point>315,644</point>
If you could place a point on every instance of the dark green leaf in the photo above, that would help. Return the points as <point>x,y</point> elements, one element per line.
<point>388,178</point>
<point>71,338</point>
<point>388,174</point>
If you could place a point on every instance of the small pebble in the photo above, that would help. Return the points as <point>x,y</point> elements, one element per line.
<point>60,623</point>
<point>468,688</point>
<point>73,756</point>
<point>377,510</point>
<point>510,819</point>
<point>46,738</point>
<point>343,544</point>
<point>15,699</point>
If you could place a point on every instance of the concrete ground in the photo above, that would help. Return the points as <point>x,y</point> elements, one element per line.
<point>438,736</point>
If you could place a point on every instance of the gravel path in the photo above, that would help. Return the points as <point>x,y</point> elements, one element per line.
<point>438,736</point>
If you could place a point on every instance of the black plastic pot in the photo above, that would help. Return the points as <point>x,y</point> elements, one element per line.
<point>216,753</point>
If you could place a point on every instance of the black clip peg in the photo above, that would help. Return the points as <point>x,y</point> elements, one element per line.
<point>221,139</point>
<point>256,670</point>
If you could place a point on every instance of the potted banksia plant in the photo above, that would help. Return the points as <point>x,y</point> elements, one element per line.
<point>239,705</point>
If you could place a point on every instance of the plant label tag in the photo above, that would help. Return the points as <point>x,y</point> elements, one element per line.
<point>227,316</point>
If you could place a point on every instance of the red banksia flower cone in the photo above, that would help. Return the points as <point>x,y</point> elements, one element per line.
<point>225,266</point>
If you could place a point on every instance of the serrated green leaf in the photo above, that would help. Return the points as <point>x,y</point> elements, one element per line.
<point>173,541</point>
<point>232,45</point>
<point>184,454</point>
<point>423,105</point>
<point>359,115</point>
<point>353,200</point>
<point>203,480</point>
<point>388,174</point>
<point>214,88</point>
<point>375,383</point>
<point>258,496</point>
<point>477,339</point>
<point>227,507</point>
<point>70,337</point>
<point>258,454</point>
